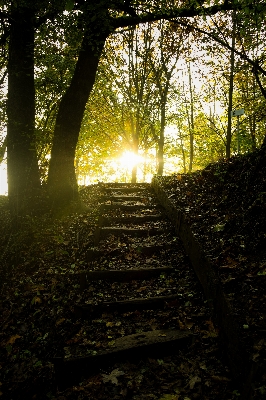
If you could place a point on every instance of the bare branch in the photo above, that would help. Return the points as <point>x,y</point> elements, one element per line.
<point>242,55</point>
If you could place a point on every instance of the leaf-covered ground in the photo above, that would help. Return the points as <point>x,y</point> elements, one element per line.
<point>225,205</point>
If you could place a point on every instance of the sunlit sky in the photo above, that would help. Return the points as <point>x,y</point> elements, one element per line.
<point>3,179</point>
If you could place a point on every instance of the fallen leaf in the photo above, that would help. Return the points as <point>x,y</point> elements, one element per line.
<point>36,300</point>
<point>219,227</point>
<point>112,377</point>
<point>218,378</point>
<point>193,381</point>
<point>141,289</point>
<point>60,321</point>
<point>13,339</point>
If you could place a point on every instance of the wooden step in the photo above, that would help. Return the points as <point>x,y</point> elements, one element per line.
<point>103,232</point>
<point>150,303</point>
<point>155,344</point>
<point>133,219</point>
<point>124,184</point>
<point>126,189</point>
<point>115,198</point>
<point>95,254</point>
<point>153,249</point>
<point>122,275</point>
<point>128,207</point>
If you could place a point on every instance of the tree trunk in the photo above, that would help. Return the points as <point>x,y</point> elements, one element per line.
<point>191,122</point>
<point>22,164</point>
<point>231,89</point>
<point>135,140</point>
<point>182,148</point>
<point>62,182</point>
<point>252,128</point>
<point>161,139</point>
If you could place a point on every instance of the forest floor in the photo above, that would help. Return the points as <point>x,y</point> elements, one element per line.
<point>225,206</point>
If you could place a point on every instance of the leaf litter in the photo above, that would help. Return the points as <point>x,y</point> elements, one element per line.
<point>41,285</point>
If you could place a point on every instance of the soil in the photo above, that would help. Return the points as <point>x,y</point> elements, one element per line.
<point>40,266</point>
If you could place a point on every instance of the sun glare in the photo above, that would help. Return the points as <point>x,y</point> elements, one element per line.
<point>129,159</point>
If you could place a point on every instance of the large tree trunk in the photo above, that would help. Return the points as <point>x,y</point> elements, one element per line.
<point>62,183</point>
<point>22,164</point>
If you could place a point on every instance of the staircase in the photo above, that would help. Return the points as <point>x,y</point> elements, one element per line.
<point>135,246</point>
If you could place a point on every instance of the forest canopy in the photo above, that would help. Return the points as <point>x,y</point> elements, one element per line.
<point>92,90</point>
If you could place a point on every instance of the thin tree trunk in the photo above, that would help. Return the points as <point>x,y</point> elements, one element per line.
<point>135,137</point>
<point>62,183</point>
<point>182,148</point>
<point>22,164</point>
<point>191,130</point>
<point>231,89</point>
<point>161,138</point>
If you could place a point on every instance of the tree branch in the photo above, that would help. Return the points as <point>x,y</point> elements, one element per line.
<point>242,55</point>
<point>175,12</point>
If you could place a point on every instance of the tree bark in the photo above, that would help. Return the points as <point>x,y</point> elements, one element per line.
<point>22,164</point>
<point>231,89</point>
<point>161,138</point>
<point>190,118</point>
<point>135,146</point>
<point>62,182</point>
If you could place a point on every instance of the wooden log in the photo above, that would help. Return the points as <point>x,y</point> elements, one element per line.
<point>155,344</point>
<point>149,303</point>
<point>121,276</point>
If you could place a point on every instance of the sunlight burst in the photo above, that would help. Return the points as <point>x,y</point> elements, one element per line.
<point>129,159</point>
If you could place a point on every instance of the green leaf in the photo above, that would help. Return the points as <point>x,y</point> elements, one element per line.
<point>219,227</point>
<point>261,273</point>
<point>38,364</point>
<point>9,348</point>
<point>69,5</point>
